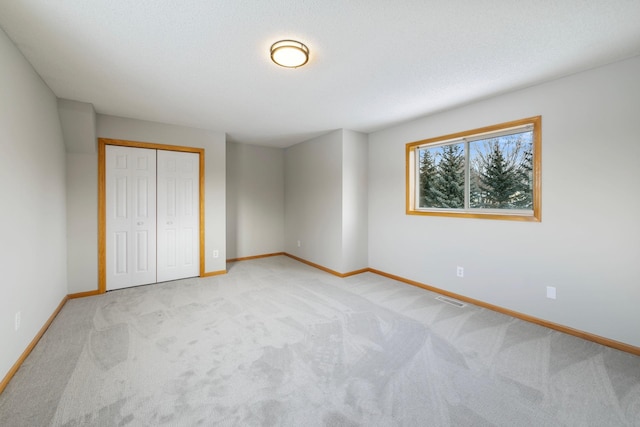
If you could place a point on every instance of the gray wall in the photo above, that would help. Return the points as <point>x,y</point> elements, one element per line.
<point>313,200</point>
<point>214,144</point>
<point>78,120</point>
<point>326,200</point>
<point>33,257</point>
<point>588,243</point>
<point>255,200</point>
<point>355,154</point>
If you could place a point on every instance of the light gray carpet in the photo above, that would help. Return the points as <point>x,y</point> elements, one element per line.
<point>277,343</point>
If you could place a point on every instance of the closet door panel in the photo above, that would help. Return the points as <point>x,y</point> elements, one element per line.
<point>178,215</point>
<point>130,184</point>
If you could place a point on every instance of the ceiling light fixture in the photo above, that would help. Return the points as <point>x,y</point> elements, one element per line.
<point>289,53</point>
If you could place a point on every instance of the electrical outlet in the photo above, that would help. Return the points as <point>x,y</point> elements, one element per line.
<point>17,320</point>
<point>551,292</point>
<point>299,244</point>
<point>460,271</point>
<point>216,254</point>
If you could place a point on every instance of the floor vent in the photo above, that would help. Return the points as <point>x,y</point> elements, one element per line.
<point>455,302</point>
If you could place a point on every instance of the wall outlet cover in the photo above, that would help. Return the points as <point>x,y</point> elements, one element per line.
<point>551,292</point>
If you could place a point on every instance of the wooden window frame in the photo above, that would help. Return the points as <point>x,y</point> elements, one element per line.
<point>412,174</point>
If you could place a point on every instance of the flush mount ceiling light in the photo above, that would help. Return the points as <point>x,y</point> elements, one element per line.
<point>289,53</point>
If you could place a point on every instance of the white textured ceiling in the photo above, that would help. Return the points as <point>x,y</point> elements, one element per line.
<point>374,63</point>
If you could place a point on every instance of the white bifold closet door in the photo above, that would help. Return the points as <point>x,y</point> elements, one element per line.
<point>152,216</point>
<point>130,216</point>
<point>178,215</point>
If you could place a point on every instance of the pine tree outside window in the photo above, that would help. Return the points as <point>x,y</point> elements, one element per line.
<point>492,173</point>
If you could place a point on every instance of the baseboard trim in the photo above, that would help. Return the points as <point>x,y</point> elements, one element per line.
<point>555,326</point>
<point>7,378</point>
<point>84,294</point>
<point>214,273</point>
<point>325,269</point>
<point>247,258</point>
<point>99,292</point>
<point>355,272</point>
<point>527,318</point>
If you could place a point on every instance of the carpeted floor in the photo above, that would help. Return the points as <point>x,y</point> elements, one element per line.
<point>277,343</point>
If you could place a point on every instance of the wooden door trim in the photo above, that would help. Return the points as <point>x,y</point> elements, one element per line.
<point>102,212</point>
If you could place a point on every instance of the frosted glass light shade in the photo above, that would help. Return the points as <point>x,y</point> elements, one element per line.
<point>289,53</point>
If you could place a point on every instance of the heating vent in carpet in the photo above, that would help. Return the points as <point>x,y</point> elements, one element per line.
<point>451,301</point>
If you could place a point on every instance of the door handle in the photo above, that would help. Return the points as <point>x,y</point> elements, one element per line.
<point>169,222</point>
<point>140,223</point>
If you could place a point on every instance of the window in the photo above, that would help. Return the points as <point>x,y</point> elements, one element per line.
<point>492,172</point>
